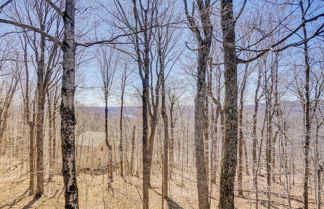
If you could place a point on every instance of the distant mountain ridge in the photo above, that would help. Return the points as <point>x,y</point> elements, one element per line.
<point>293,107</point>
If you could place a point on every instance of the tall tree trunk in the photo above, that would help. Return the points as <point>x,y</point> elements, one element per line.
<point>268,149</point>
<point>171,144</point>
<point>241,135</point>
<point>318,168</point>
<point>240,150</point>
<point>145,136</point>
<point>68,121</point>
<point>255,137</point>
<point>200,108</point>
<point>30,120</point>
<point>32,152</point>
<point>306,110</point>
<point>206,135</point>
<point>146,169</point>
<point>229,148</point>
<point>214,147</point>
<point>40,119</point>
<point>50,136</point>
<point>121,151</point>
<point>54,130</point>
<point>109,147</point>
<point>165,168</point>
<point>153,126</point>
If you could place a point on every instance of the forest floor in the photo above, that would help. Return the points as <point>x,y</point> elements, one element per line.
<point>127,192</point>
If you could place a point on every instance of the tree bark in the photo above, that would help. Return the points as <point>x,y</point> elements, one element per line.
<point>41,95</point>
<point>121,151</point>
<point>229,148</point>
<point>133,151</point>
<point>165,168</point>
<point>68,120</point>
<point>109,147</point>
<point>171,143</point>
<point>204,40</point>
<point>32,152</point>
<point>306,109</point>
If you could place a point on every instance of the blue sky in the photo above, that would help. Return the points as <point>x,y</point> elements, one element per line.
<point>94,23</point>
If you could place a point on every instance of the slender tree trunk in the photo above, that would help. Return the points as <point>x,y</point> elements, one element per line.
<point>50,136</point>
<point>146,170</point>
<point>121,151</point>
<point>68,121</point>
<point>40,120</point>
<point>247,172</point>
<point>54,135</point>
<point>240,150</point>
<point>153,126</point>
<point>109,147</point>
<point>229,148</point>
<point>206,136</point>
<point>317,167</point>
<point>133,151</point>
<point>30,121</point>
<point>145,136</point>
<point>165,168</point>
<point>255,138</point>
<point>171,143</point>
<point>241,135</point>
<point>200,108</point>
<point>32,152</point>
<point>214,147</point>
<point>268,150</point>
<point>306,111</point>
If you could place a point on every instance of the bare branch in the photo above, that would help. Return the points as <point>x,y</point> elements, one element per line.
<point>272,47</point>
<point>241,11</point>
<point>58,10</point>
<point>4,5</point>
<point>29,27</point>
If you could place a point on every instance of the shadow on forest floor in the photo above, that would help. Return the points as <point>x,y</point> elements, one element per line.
<point>30,203</point>
<point>172,204</point>
<point>15,201</point>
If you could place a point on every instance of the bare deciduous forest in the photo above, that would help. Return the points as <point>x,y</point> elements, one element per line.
<point>162,104</point>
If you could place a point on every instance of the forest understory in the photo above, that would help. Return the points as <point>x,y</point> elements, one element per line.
<point>126,192</point>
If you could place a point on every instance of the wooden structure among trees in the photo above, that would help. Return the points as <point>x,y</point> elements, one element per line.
<point>91,151</point>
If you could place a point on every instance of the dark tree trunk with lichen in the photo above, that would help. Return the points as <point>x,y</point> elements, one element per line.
<point>67,108</point>
<point>229,148</point>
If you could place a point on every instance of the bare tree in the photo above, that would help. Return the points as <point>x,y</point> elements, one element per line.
<point>108,61</point>
<point>124,79</point>
<point>203,34</point>
<point>7,92</point>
